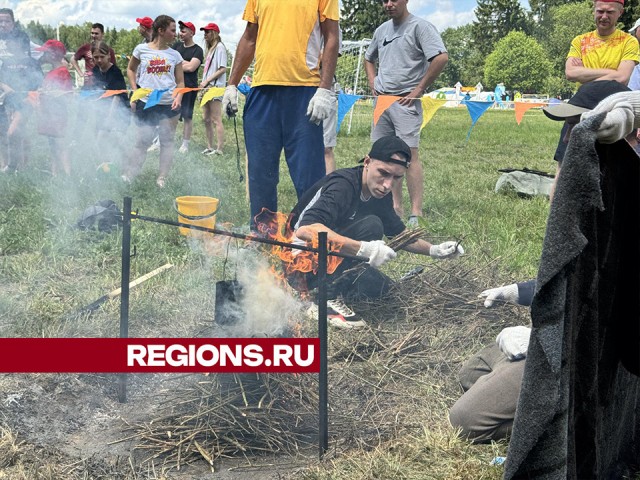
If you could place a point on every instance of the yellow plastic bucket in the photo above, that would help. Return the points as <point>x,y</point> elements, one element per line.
<point>195,210</point>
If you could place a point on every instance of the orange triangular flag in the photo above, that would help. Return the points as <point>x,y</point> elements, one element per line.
<point>33,98</point>
<point>382,103</point>
<point>522,107</point>
<point>176,91</point>
<point>111,93</point>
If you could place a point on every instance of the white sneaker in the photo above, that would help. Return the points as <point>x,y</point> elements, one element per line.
<point>155,146</point>
<point>183,149</point>
<point>413,221</point>
<point>206,151</point>
<point>339,315</point>
<point>125,179</point>
<point>214,152</point>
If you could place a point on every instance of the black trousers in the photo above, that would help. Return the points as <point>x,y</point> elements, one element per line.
<point>361,283</point>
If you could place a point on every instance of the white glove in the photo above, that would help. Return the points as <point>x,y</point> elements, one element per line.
<point>507,293</point>
<point>377,252</point>
<point>446,250</point>
<point>321,105</point>
<point>623,115</point>
<point>230,99</point>
<point>514,342</point>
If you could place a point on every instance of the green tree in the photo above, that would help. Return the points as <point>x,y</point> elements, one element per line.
<point>125,42</point>
<point>519,62</point>
<point>563,23</point>
<point>495,19</point>
<point>466,63</point>
<point>540,8</point>
<point>631,13</point>
<point>39,33</point>
<point>360,18</point>
<point>74,36</point>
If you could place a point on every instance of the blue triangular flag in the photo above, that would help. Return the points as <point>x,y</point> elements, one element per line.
<point>345,102</point>
<point>154,98</point>
<point>90,93</point>
<point>476,109</point>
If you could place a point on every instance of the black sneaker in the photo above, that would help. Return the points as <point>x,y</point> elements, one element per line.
<point>339,315</point>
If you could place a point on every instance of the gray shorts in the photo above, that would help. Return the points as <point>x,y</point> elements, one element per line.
<point>401,121</point>
<point>329,126</point>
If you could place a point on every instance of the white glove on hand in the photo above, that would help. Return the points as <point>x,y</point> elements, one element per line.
<point>321,105</point>
<point>230,99</point>
<point>446,250</point>
<point>623,115</point>
<point>377,251</point>
<point>507,293</point>
<point>514,342</point>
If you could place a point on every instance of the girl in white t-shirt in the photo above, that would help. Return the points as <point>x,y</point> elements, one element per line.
<point>214,75</point>
<point>156,66</point>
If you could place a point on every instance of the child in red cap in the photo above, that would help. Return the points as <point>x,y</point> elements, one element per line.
<point>52,112</point>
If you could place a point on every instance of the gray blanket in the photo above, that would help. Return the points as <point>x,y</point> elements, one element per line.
<point>577,415</point>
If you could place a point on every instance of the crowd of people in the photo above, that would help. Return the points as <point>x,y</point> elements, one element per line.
<point>292,98</point>
<point>158,63</point>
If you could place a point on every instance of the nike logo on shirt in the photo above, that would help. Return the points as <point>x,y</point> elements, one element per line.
<point>386,42</point>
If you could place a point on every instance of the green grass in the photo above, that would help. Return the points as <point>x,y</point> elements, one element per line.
<point>48,268</point>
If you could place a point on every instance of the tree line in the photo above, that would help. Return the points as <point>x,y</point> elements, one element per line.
<point>524,49</point>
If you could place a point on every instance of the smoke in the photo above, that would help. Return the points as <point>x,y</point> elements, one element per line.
<point>259,303</point>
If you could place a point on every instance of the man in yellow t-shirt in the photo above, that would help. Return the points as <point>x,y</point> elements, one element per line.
<point>605,53</point>
<point>289,96</point>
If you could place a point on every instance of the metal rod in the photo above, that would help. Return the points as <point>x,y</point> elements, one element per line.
<point>251,238</point>
<point>323,395</point>
<point>124,286</point>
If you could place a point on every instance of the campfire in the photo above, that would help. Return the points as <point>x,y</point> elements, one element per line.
<point>413,332</point>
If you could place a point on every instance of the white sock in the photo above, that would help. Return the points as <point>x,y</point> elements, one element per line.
<point>185,143</point>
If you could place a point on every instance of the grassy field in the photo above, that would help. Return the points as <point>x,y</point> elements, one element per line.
<point>49,268</point>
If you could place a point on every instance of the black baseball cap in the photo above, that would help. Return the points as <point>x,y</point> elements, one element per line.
<point>383,148</point>
<point>586,98</point>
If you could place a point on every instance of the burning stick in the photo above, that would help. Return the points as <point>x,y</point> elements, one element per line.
<point>114,293</point>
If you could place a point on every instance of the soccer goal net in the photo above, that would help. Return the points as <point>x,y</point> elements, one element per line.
<point>352,79</point>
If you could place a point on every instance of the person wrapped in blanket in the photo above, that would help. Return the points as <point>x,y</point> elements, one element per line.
<point>491,378</point>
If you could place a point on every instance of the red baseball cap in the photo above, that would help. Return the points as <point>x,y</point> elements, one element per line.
<point>146,22</point>
<point>211,26</point>
<point>53,46</point>
<point>188,25</point>
<point>621,2</point>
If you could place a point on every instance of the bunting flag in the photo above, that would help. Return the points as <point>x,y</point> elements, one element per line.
<point>243,88</point>
<point>111,93</point>
<point>176,91</point>
<point>476,109</point>
<point>89,93</point>
<point>345,102</point>
<point>382,103</point>
<point>139,93</point>
<point>154,98</point>
<point>429,108</point>
<point>211,94</point>
<point>33,98</point>
<point>522,107</point>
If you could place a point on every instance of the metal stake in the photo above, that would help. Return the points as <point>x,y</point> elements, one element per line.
<point>124,285</point>
<point>323,394</point>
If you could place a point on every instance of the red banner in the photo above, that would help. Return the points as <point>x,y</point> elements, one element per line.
<point>159,355</point>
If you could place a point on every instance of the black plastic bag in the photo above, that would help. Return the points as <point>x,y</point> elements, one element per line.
<point>104,215</point>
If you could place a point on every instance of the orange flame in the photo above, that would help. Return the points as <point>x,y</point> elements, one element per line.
<point>275,226</point>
